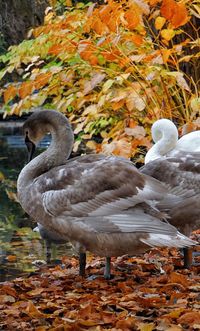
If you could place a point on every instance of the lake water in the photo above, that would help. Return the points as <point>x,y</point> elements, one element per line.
<point>20,246</point>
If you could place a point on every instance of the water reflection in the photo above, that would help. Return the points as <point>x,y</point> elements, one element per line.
<point>20,247</point>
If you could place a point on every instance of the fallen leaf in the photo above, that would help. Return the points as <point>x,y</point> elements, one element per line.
<point>32,311</point>
<point>6,299</point>
<point>175,277</point>
<point>190,318</point>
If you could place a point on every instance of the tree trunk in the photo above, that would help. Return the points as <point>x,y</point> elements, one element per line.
<point>18,16</point>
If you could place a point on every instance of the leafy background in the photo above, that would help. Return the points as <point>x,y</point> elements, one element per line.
<point>113,69</point>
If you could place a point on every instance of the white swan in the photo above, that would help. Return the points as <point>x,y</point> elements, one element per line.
<point>165,136</point>
<point>102,204</point>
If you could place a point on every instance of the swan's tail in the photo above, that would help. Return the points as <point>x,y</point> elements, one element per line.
<point>160,240</point>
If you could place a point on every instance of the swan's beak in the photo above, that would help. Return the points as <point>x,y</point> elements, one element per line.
<point>31,148</point>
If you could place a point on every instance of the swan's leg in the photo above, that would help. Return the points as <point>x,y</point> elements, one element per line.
<point>187,252</point>
<point>107,274</point>
<point>82,264</point>
<point>48,251</point>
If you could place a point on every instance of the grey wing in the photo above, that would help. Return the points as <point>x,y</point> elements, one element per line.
<point>137,221</point>
<point>153,232</point>
<point>99,190</point>
<point>180,173</point>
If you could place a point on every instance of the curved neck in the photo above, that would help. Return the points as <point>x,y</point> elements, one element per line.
<point>165,136</point>
<point>56,154</point>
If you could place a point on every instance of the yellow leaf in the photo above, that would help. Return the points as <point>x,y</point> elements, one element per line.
<point>107,85</point>
<point>90,110</point>
<point>165,54</point>
<point>12,195</point>
<point>146,327</point>
<point>167,34</point>
<point>91,144</point>
<point>2,177</point>
<point>135,101</point>
<point>159,22</point>
<point>175,313</point>
<point>194,104</point>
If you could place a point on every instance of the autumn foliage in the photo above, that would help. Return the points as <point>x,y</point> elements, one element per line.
<point>113,69</point>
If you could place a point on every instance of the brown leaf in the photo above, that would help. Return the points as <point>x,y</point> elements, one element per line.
<point>35,292</point>
<point>9,290</point>
<point>179,278</point>
<point>190,318</point>
<point>7,299</point>
<point>128,323</point>
<point>11,258</point>
<point>33,312</point>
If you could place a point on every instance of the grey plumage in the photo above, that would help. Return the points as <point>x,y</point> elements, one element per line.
<point>100,203</point>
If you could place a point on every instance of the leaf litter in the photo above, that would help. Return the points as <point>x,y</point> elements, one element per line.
<point>142,295</point>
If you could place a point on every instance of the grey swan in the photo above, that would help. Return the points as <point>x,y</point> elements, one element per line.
<point>102,204</point>
<point>49,237</point>
<point>181,175</point>
<point>165,136</point>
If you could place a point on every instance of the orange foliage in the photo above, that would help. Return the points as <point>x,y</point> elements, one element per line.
<point>26,89</point>
<point>175,12</point>
<point>10,93</point>
<point>103,65</point>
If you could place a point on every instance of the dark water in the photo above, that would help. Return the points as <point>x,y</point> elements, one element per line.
<point>20,246</point>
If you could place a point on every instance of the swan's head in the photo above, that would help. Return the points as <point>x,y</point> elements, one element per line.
<point>39,124</point>
<point>164,128</point>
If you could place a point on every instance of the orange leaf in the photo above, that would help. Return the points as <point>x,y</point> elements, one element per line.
<point>98,26</point>
<point>190,318</point>
<point>180,16</point>
<point>11,258</point>
<point>109,56</point>
<point>55,49</point>
<point>138,40</point>
<point>165,54</point>
<point>133,19</point>
<point>9,93</point>
<point>117,105</point>
<point>113,23</point>
<point>25,89</point>
<point>42,80</point>
<point>105,13</point>
<point>176,13</point>
<point>128,323</point>
<point>178,278</point>
<point>93,60</point>
<point>168,9</point>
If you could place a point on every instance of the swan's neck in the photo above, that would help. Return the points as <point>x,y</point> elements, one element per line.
<point>165,136</point>
<point>56,154</point>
